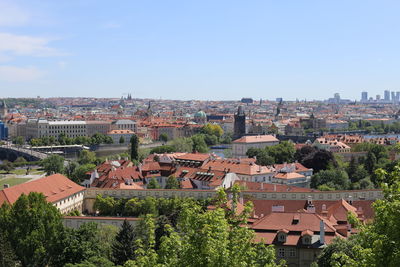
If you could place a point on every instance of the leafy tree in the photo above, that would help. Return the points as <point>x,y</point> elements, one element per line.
<point>162,149</point>
<point>124,244</point>
<point>370,162</point>
<point>7,166</point>
<point>163,137</point>
<point>70,168</point>
<point>93,262</point>
<point>172,183</point>
<point>283,152</point>
<point>19,140</point>
<point>106,206</point>
<point>153,184</point>
<point>204,239</point>
<point>182,144</point>
<point>53,164</point>
<point>329,256</point>
<point>199,144</point>
<point>336,179</point>
<point>352,169</point>
<point>319,159</point>
<point>122,140</point>
<point>80,173</point>
<point>134,147</point>
<point>212,129</point>
<point>33,227</point>
<point>7,255</point>
<point>86,157</point>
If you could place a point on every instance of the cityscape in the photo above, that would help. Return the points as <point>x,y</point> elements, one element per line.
<point>227,147</point>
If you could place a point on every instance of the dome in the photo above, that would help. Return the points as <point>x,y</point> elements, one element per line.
<point>200,114</point>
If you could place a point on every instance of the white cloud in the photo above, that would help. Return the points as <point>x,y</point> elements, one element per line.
<point>19,74</point>
<point>12,15</point>
<point>26,45</point>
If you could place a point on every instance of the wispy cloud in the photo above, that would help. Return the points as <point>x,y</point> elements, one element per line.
<point>12,15</point>
<point>20,74</point>
<point>26,45</point>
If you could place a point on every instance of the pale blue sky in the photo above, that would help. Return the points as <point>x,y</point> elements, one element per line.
<point>206,49</point>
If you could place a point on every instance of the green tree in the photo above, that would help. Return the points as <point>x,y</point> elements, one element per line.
<point>124,244</point>
<point>19,140</point>
<point>172,183</point>
<point>199,144</point>
<point>370,162</point>
<point>93,262</point>
<point>33,227</point>
<point>81,172</point>
<point>105,206</point>
<point>182,144</point>
<point>153,184</point>
<point>7,254</point>
<point>53,164</point>
<point>86,157</point>
<point>122,140</point>
<point>337,179</point>
<point>134,147</point>
<point>162,149</point>
<point>212,129</point>
<point>163,137</point>
<point>7,166</point>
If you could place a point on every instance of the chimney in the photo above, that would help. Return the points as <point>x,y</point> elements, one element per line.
<point>322,232</point>
<point>6,186</point>
<point>350,200</point>
<point>262,186</point>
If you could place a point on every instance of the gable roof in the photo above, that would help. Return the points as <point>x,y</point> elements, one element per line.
<point>257,139</point>
<point>55,187</point>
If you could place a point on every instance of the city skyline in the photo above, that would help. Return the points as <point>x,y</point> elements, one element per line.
<point>202,51</point>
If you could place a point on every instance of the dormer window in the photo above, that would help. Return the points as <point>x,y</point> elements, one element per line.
<point>282,237</point>
<point>307,240</point>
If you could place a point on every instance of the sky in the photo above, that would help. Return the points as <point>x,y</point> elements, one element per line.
<point>199,49</point>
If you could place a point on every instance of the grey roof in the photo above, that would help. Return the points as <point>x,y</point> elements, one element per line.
<point>124,122</point>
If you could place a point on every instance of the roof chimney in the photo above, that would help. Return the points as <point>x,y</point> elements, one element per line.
<point>322,232</point>
<point>6,186</point>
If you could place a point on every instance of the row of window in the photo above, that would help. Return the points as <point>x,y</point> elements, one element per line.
<point>286,252</point>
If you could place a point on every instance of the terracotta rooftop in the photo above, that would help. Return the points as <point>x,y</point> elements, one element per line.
<point>55,187</point>
<point>256,139</point>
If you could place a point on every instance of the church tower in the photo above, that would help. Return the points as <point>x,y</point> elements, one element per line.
<point>239,126</point>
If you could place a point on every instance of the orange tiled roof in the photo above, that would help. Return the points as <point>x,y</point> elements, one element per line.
<point>55,187</point>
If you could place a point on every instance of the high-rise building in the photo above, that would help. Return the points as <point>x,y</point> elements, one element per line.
<point>378,97</point>
<point>239,125</point>
<point>364,96</point>
<point>393,96</point>
<point>397,97</point>
<point>387,95</point>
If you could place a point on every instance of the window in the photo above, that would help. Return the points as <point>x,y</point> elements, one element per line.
<point>307,240</point>
<point>282,237</point>
<point>281,253</point>
<point>292,252</point>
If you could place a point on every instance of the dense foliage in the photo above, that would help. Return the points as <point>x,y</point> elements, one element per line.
<point>170,232</point>
<point>378,242</point>
<point>62,139</point>
<point>277,154</point>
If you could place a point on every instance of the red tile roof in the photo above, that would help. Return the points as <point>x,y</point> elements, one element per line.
<point>55,187</point>
<point>256,139</point>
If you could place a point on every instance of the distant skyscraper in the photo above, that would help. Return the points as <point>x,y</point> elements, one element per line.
<point>397,97</point>
<point>387,95</point>
<point>364,96</point>
<point>393,96</point>
<point>239,125</point>
<point>378,97</point>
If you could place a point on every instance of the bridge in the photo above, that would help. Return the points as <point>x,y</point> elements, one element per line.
<point>11,152</point>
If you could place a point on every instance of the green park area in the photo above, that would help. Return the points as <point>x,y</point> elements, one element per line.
<point>12,181</point>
